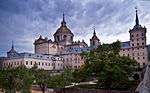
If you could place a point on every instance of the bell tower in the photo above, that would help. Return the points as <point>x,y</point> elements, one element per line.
<point>138,42</point>
<point>94,41</point>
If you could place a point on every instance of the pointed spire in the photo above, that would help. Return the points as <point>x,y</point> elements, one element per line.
<point>63,23</point>
<point>94,33</point>
<point>63,17</point>
<point>137,19</point>
<point>12,46</point>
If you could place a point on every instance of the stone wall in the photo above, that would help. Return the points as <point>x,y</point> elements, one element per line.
<point>75,90</point>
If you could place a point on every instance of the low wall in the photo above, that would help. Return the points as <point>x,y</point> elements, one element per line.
<point>77,90</point>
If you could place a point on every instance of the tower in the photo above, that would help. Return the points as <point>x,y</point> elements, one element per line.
<point>94,41</point>
<point>137,34</point>
<point>138,41</point>
<point>63,35</point>
<point>12,52</point>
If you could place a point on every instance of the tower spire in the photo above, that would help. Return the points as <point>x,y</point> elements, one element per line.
<point>94,33</point>
<point>63,23</point>
<point>12,46</point>
<point>137,19</point>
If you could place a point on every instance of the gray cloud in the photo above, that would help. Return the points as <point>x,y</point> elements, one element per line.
<point>24,20</point>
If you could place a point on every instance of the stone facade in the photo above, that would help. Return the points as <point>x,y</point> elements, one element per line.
<point>68,50</point>
<point>64,46</point>
<point>136,48</point>
<point>46,62</point>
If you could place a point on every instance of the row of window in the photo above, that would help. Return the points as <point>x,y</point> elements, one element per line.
<point>74,59</point>
<point>133,54</point>
<point>12,63</point>
<point>135,57</point>
<point>76,67</point>
<point>133,48</point>
<point>136,39</point>
<point>46,57</point>
<point>142,34</point>
<point>138,44</point>
<point>42,63</point>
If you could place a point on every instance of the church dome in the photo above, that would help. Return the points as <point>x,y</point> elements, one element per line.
<point>63,28</point>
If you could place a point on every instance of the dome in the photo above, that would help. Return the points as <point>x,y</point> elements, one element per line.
<point>63,28</point>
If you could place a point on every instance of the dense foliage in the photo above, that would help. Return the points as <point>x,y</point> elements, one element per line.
<point>108,67</point>
<point>18,79</point>
<point>103,64</point>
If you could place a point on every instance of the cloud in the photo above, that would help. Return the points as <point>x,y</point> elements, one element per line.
<point>23,21</point>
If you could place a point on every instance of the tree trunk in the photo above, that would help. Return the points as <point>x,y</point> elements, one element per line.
<point>43,88</point>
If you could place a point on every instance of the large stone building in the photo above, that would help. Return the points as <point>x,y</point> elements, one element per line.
<point>64,46</point>
<point>46,62</point>
<point>64,52</point>
<point>136,47</point>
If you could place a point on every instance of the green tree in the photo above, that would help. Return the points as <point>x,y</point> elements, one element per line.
<point>42,78</point>
<point>105,64</point>
<point>61,80</point>
<point>16,79</point>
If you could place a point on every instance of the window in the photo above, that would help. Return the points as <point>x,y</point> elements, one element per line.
<point>137,44</point>
<point>132,40</point>
<point>75,66</point>
<point>137,34</point>
<point>143,43</point>
<point>64,37</point>
<point>31,62</point>
<point>26,62</point>
<point>132,36</point>
<point>42,64</point>
<point>138,57</point>
<point>49,64</point>
<point>128,55</point>
<point>123,50</point>
<point>132,44</point>
<point>46,64</point>
<point>137,39</point>
<point>142,38</point>
<point>58,38</point>
<point>142,34</point>
<point>143,57</point>
<point>133,58</point>
<point>39,63</point>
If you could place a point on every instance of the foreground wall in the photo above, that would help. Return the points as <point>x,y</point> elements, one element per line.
<point>75,90</point>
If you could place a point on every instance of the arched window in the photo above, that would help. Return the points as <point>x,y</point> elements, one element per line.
<point>65,37</point>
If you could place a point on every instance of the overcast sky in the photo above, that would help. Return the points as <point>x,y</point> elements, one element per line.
<point>24,20</point>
